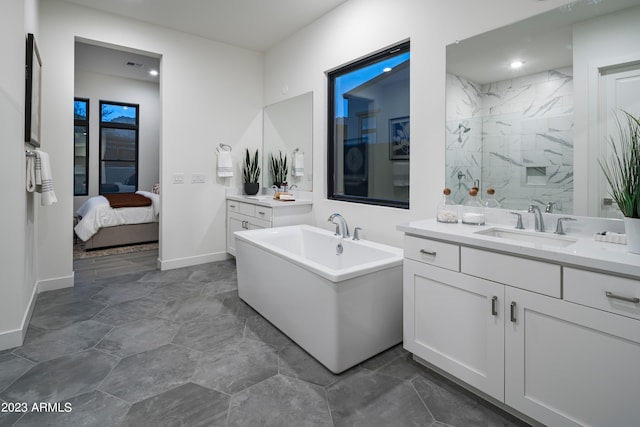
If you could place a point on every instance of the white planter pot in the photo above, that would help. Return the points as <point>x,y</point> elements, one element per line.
<point>632,230</point>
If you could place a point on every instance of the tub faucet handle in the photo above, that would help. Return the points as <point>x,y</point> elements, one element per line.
<point>559,227</point>
<point>356,234</point>
<point>337,233</point>
<point>519,225</point>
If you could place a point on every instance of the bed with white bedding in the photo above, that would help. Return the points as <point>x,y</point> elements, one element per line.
<point>101,225</point>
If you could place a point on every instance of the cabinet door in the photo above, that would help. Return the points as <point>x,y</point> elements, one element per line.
<point>456,322</point>
<point>569,365</point>
<point>234,223</point>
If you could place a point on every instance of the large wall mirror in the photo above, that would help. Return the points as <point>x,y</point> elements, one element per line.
<point>534,130</point>
<point>288,129</point>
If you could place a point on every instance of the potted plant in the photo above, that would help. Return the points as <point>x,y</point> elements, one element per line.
<point>279,169</point>
<point>251,173</point>
<point>622,171</point>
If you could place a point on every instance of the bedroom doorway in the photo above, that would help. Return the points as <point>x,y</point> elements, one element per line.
<point>122,155</point>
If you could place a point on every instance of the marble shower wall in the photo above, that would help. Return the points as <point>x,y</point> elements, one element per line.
<point>463,160</point>
<point>521,138</point>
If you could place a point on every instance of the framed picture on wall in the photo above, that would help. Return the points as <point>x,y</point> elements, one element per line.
<point>33,76</point>
<point>399,138</point>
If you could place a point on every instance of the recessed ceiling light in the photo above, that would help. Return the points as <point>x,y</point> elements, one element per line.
<point>153,72</point>
<point>516,64</point>
<point>386,69</point>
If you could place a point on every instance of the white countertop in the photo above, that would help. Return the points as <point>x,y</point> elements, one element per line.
<point>586,252</point>
<point>268,201</point>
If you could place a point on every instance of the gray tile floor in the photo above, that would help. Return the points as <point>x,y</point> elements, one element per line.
<point>132,346</point>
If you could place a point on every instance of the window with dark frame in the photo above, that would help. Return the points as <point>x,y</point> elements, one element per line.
<point>81,147</point>
<point>369,129</point>
<point>118,147</point>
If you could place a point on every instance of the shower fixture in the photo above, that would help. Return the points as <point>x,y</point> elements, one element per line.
<point>462,129</point>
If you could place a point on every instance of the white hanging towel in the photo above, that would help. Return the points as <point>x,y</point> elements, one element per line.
<point>31,174</point>
<point>225,164</point>
<point>298,164</point>
<point>400,174</point>
<point>44,179</point>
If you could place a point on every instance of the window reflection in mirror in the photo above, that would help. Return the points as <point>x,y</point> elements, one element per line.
<point>288,129</point>
<point>525,131</point>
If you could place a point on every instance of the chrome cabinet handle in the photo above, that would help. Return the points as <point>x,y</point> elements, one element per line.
<point>426,252</point>
<point>260,213</point>
<point>611,295</point>
<point>232,206</point>
<point>513,311</point>
<point>494,306</point>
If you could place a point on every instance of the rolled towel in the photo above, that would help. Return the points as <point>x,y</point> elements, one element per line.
<point>225,164</point>
<point>31,174</point>
<point>44,179</point>
<point>298,163</point>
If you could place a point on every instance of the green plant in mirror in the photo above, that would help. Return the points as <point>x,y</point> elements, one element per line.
<point>251,168</point>
<point>279,168</point>
<point>622,168</point>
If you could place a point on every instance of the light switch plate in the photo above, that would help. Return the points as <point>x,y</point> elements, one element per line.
<point>198,178</point>
<point>178,178</point>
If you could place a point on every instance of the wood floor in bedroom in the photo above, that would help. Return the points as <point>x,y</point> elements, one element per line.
<point>130,345</point>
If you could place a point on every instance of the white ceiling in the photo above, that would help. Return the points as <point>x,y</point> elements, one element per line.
<point>115,62</point>
<point>543,42</point>
<point>252,24</point>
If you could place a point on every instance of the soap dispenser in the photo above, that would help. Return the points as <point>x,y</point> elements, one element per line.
<point>473,211</point>
<point>447,210</point>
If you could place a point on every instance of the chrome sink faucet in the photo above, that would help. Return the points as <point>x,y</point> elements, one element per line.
<point>537,215</point>
<point>341,226</point>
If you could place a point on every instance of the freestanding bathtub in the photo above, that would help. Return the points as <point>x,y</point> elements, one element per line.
<point>339,299</point>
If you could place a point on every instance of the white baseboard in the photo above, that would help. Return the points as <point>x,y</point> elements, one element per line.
<point>57,283</point>
<point>15,338</point>
<point>189,261</point>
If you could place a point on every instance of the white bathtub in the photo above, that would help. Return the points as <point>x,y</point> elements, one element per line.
<point>342,309</point>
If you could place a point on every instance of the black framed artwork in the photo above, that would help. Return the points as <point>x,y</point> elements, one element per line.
<point>399,138</point>
<point>33,76</point>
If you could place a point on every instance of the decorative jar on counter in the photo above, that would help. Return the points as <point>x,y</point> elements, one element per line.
<point>447,210</point>
<point>473,211</point>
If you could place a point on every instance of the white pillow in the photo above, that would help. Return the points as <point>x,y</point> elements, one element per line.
<point>155,200</point>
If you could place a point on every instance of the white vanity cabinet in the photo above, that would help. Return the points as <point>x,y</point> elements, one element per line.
<point>558,344</point>
<point>456,323</point>
<point>571,365</point>
<point>245,214</point>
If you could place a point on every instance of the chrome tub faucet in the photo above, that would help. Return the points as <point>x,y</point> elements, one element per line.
<point>341,226</point>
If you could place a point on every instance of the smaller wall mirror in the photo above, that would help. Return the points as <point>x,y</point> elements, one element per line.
<point>288,129</point>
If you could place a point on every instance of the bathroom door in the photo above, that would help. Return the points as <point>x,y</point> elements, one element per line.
<point>620,91</point>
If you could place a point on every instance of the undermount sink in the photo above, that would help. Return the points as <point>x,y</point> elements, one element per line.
<point>528,236</point>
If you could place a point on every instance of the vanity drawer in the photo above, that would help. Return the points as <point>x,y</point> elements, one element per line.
<point>249,209</point>
<point>440,254</point>
<point>233,206</point>
<point>241,208</point>
<point>246,209</point>
<point>263,213</point>
<point>599,290</point>
<point>528,274</point>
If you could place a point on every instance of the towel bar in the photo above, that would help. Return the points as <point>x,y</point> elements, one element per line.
<point>30,153</point>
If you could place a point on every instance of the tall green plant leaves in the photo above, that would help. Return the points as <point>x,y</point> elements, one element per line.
<point>622,168</point>
<point>251,168</point>
<point>279,168</point>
